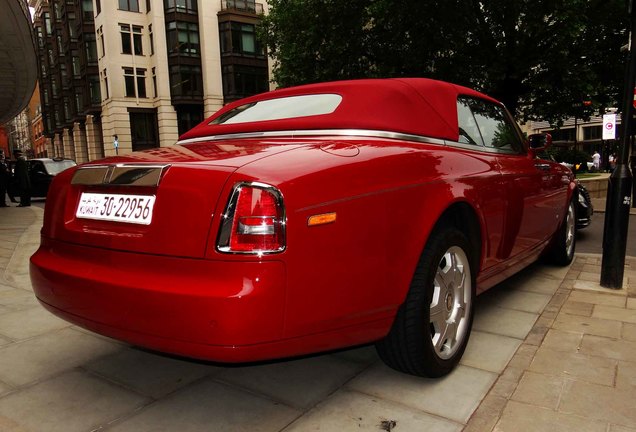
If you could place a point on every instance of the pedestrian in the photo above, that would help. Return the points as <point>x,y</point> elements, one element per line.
<point>612,162</point>
<point>4,180</point>
<point>22,178</point>
<point>596,161</point>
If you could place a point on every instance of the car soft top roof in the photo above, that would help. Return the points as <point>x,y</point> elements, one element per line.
<point>416,106</point>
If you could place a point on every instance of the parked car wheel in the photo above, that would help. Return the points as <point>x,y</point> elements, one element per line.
<point>432,327</point>
<point>563,244</point>
<point>584,208</point>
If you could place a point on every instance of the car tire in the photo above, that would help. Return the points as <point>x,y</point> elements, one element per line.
<point>561,249</point>
<point>432,327</point>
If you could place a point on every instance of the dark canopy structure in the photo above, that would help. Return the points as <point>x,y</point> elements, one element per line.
<point>18,63</point>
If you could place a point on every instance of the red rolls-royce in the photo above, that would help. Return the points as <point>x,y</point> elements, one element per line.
<point>308,219</point>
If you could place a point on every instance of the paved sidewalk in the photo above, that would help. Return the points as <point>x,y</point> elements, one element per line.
<point>550,351</point>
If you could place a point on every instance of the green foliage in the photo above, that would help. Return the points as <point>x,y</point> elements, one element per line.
<point>542,58</point>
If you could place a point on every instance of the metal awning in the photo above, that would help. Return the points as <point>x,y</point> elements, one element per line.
<point>18,62</point>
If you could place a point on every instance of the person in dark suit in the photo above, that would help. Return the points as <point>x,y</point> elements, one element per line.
<point>22,176</point>
<point>4,180</point>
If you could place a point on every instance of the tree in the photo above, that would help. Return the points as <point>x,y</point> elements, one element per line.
<point>542,58</point>
<point>317,40</point>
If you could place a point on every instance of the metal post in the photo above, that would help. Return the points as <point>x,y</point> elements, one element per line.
<point>619,190</point>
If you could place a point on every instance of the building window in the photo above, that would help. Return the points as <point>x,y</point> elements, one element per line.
<point>98,6</point>
<point>128,44</point>
<point>45,96</point>
<point>72,32</point>
<point>87,10</point>
<point>51,58</point>
<point>67,110</point>
<point>91,47</point>
<point>47,23</point>
<point>129,5</point>
<point>141,82</point>
<point>54,87</point>
<point>144,130</point>
<point>129,79</point>
<point>148,4</point>
<point>130,76</point>
<point>105,77</point>
<point>64,75</point>
<point>93,88</point>
<point>181,6</point>
<point>241,81</point>
<point>186,81</point>
<point>154,82</point>
<point>40,37</point>
<point>58,12</point>
<point>76,64</point>
<point>183,38</point>
<point>243,38</point>
<point>152,40</point>
<point>100,36</point>
<point>60,50</point>
<point>79,104</point>
<point>592,133</point>
<point>239,38</point>
<point>563,134</point>
<point>188,116</point>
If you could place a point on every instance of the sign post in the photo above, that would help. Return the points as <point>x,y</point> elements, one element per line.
<point>619,192</point>
<point>609,126</point>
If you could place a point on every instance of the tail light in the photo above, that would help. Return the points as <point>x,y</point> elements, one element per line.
<point>253,221</point>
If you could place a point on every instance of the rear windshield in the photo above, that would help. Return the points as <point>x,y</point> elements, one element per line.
<point>56,167</point>
<point>281,108</point>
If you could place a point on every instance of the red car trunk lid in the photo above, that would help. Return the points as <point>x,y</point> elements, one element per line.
<point>185,196</point>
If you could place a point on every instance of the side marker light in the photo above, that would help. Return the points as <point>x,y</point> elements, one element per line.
<point>321,219</point>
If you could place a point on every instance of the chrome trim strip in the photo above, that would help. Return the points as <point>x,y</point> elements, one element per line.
<point>480,148</point>
<point>319,132</point>
<point>120,174</point>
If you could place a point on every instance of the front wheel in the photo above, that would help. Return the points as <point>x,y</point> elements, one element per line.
<point>432,327</point>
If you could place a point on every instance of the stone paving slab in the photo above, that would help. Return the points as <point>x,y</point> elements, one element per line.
<point>71,402</point>
<point>548,345</point>
<point>353,412</point>
<point>581,377</point>
<point>208,405</point>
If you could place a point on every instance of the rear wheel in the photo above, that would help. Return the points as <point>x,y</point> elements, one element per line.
<point>432,327</point>
<point>564,241</point>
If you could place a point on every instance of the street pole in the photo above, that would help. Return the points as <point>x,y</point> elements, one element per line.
<point>619,190</point>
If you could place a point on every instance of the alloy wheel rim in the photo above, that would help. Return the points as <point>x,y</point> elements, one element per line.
<point>451,303</point>
<point>570,230</point>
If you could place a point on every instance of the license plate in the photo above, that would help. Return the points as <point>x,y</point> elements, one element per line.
<point>135,209</point>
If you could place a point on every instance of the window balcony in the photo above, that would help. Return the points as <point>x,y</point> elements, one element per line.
<point>249,6</point>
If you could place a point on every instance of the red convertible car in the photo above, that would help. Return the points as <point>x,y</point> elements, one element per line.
<point>308,219</point>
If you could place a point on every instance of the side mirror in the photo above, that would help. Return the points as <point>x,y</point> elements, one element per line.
<point>540,141</point>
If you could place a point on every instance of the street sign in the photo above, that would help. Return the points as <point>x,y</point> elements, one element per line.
<point>609,126</point>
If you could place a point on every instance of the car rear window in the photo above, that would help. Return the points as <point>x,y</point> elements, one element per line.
<point>56,167</point>
<point>281,108</point>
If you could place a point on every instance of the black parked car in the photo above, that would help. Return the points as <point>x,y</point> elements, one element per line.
<point>584,209</point>
<point>41,172</point>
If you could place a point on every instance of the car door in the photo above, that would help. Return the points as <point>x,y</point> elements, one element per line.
<point>529,212</point>
<point>40,178</point>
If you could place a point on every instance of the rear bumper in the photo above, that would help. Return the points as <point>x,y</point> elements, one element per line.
<point>192,307</point>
